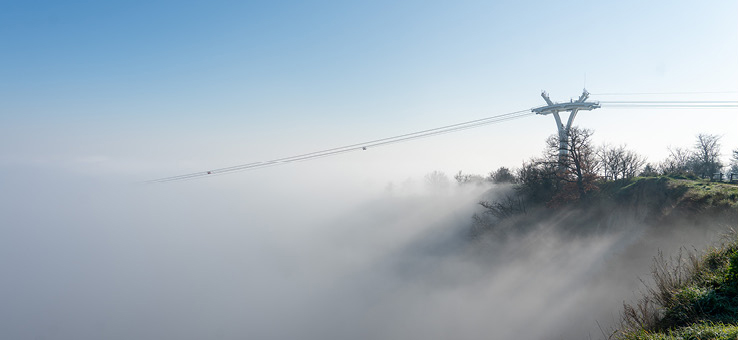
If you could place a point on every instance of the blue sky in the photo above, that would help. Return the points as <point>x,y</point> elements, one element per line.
<point>222,83</point>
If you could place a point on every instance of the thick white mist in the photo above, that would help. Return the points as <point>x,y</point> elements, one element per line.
<point>269,256</point>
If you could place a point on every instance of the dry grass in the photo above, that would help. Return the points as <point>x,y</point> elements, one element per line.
<point>669,276</point>
<point>687,289</point>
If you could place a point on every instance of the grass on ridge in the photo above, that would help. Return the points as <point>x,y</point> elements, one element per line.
<point>693,297</point>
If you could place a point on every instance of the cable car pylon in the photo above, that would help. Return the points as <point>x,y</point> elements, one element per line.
<point>572,107</point>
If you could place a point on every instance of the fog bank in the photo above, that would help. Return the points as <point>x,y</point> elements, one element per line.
<point>270,257</point>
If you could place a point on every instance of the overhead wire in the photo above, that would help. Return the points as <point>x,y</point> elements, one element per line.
<point>658,93</point>
<point>350,148</point>
<point>635,106</point>
<point>673,104</point>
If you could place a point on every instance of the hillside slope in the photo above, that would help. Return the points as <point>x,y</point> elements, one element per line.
<point>661,204</point>
<point>692,296</point>
<point>642,218</point>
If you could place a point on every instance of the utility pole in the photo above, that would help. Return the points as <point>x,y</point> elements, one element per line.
<point>572,107</point>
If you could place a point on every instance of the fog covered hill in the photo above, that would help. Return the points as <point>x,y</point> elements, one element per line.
<point>659,202</point>
<point>591,255</point>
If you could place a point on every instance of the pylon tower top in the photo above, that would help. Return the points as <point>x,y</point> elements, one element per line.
<point>573,107</point>
<point>579,104</point>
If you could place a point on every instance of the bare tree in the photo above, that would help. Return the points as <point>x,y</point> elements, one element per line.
<point>604,155</point>
<point>678,162</point>
<point>706,156</point>
<point>619,162</point>
<point>734,162</point>
<point>579,165</point>
<point>632,164</point>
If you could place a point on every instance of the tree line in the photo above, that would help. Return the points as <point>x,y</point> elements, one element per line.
<point>556,178</point>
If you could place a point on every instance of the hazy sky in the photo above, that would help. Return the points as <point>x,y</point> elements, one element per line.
<point>160,88</point>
